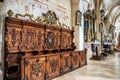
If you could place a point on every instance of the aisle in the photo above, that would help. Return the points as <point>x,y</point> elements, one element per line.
<point>108,69</point>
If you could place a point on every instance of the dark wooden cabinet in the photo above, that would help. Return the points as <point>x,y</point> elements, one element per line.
<point>35,51</point>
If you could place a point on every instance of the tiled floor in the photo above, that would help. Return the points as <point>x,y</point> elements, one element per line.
<point>108,69</point>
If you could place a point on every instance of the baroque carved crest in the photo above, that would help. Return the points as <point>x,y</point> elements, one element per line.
<point>48,18</point>
<point>49,40</point>
<point>36,68</point>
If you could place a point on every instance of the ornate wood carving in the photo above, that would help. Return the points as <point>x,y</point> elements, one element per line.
<point>63,41</point>
<point>13,35</point>
<point>26,42</point>
<point>36,68</point>
<point>75,59</point>
<point>39,40</point>
<point>82,58</point>
<point>28,36</point>
<point>67,39</point>
<point>49,41</point>
<point>48,18</point>
<point>53,65</point>
<point>52,38</point>
<point>66,62</point>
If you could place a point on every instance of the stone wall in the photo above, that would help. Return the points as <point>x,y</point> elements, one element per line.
<point>1,24</point>
<point>36,7</point>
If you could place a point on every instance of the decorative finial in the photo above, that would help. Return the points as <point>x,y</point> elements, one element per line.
<point>10,13</point>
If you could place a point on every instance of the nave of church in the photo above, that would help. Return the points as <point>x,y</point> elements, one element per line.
<point>59,39</point>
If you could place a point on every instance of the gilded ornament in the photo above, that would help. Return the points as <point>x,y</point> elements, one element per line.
<point>48,18</point>
<point>10,13</point>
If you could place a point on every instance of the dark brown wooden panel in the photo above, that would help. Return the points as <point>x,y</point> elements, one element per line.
<point>82,58</point>
<point>39,39</point>
<point>65,62</point>
<point>75,59</point>
<point>34,68</point>
<point>52,38</point>
<point>12,59</point>
<point>33,36</point>
<point>12,35</point>
<point>53,66</point>
<point>67,39</point>
<point>28,36</point>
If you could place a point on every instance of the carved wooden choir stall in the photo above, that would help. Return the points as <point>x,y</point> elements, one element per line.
<point>37,51</point>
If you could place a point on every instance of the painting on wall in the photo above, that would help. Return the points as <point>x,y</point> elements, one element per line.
<point>78,17</point>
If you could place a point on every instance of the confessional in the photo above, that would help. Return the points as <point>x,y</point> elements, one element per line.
<point>39,51</point>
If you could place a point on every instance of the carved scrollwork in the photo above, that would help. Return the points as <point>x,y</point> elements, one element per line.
<point>30,16</point>
<point>49,40</point>
<point>53,65</point>
<point>75,58</point>
<point>38,40</point>
<point>29,39</point>
<point>82,57</point>
<point>66,58</point>
<point>13,39</point>
<point>36,68</point>
<point>48,18</point>
<point>64,41</point>
<point>39,37</point>
<point>13,35</point>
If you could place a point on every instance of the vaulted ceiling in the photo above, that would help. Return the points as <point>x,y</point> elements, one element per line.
<point>112,9</point>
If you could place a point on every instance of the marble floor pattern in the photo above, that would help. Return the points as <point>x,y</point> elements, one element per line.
<point>107,69</point>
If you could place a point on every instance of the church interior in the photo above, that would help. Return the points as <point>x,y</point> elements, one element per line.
<point>59,39</point>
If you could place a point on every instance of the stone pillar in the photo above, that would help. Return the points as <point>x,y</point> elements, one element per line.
<point>74,8</point>
<point>98,21</point>
<point>2,19</point>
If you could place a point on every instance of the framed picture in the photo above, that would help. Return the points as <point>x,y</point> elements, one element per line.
<point>78,17</point>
